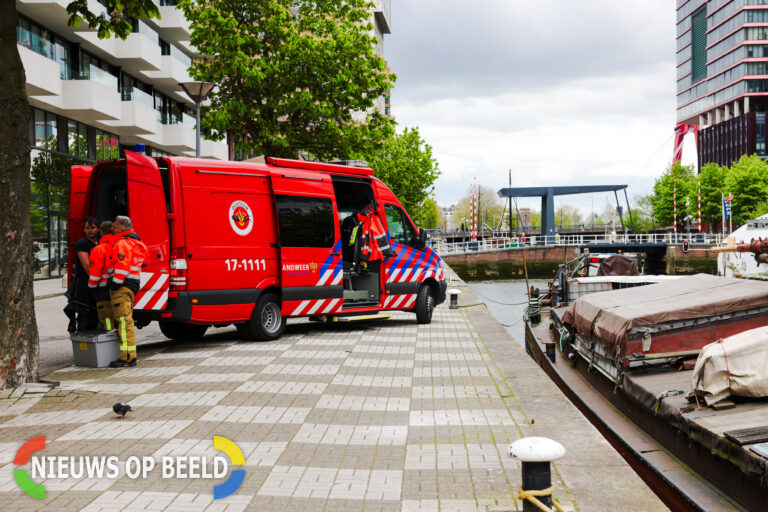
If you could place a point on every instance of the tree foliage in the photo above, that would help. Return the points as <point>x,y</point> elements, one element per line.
<point>116,17</point>
<point>406,165</point>
<point>712,187</point>
<point>429,216</point>
<point>292,75</point>
<point>642,214</point>
<point>491,208</point>
<point>663,193</point>
<point>747,180</point>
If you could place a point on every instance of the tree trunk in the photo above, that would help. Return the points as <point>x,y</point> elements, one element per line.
<point>18,328</point>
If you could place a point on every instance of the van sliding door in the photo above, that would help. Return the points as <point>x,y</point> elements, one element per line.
<point>146,208</point>
<point>310,247</point>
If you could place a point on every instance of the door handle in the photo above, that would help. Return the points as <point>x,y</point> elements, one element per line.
<point>335,254</point>
<point>159,255</point>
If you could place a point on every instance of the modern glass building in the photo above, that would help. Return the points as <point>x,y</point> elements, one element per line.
<point>91,99</point>
<point>94,98</point>
<point>722,76</point>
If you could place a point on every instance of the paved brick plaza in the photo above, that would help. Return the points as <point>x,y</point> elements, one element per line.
<point>385,416</point>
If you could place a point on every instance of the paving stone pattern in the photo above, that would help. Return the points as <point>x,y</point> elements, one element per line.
<point>382,416</point>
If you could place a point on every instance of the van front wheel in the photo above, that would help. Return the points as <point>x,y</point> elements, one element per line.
<point>266,322</point>
<point>425,304</point>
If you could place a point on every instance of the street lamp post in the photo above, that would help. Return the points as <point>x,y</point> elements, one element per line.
<point>197,91</point>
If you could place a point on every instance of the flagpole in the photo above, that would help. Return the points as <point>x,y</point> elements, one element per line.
<point>674,206</point>
<point>730,216</point>
<point>722,208</point>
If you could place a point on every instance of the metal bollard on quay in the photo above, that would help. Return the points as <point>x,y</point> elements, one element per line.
<point>536,453</point>
<point>454,294</point>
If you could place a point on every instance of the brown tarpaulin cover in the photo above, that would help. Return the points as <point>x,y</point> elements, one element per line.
<point>609,316</point>
<point>618,265</point>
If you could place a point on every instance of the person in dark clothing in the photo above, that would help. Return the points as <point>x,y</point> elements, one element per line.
<point>87,319</point>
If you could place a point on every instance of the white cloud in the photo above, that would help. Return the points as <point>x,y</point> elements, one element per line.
<point>560,92</point>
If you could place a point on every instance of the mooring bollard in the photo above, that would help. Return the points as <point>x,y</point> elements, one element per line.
<point>454,294</point>
<point>536,453</point>
<point>549,349</point>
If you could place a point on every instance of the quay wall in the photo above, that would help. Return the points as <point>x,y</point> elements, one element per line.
<point>542,262</point>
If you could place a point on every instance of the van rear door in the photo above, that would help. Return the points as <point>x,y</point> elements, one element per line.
<point>148,213</point>
<point>310,245</point>
<point>79,182</point>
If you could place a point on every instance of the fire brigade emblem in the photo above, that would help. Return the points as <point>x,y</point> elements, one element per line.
<point>313,267</point>
<point>240,218</point>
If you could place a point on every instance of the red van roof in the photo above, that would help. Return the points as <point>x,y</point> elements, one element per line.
<point>319,166</point>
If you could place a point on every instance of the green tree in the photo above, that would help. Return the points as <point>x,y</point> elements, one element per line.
<point>662,199</point>
<point>18,336</point>
<point>712,187</point>
<point>429,216</point>
<point>292,75</point>
<point>567,216</point>
<point>642,214</point>
<point>490,208</point>
<point>747,180</point>
<point>406,165</point>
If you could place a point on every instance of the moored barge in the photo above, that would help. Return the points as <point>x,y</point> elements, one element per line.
<point>624,357</point>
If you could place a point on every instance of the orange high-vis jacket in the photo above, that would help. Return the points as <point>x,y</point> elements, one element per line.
<point>100,263</point>
<point>128,254</point>
<point>374,243</point>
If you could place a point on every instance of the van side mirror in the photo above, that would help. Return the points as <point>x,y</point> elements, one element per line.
<point>422,239</point>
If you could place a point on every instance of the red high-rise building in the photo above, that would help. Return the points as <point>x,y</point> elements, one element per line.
<point>722,76</point>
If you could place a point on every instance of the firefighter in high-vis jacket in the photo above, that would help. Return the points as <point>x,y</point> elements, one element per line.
<point>128,255</point>
<point>369,238</point>
<point>100,268</point>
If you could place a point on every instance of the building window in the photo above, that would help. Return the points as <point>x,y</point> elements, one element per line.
<point>305,221</point>
<point>699,45</point>
<point>107,146</point>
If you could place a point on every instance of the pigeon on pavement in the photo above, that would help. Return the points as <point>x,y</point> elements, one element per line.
<point>120,409</point>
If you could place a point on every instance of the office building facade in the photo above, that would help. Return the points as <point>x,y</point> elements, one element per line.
<point>92,99</point>
<point>722,76</point>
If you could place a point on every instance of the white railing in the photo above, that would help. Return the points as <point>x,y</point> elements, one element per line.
<point>499,243</point>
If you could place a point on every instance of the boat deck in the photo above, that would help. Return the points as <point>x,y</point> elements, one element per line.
<point>647,431</point>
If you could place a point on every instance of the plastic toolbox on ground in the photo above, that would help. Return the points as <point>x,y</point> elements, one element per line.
<point>95,349</point>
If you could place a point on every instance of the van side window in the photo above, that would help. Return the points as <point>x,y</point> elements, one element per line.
<point>399,226</point>
<point>305,221</point>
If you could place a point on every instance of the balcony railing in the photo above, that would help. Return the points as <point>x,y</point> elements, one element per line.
<point>134,94</point>
<point>184,119</point>
<point>99,76</point>
<point>177,54</point>
<point>35,42</point>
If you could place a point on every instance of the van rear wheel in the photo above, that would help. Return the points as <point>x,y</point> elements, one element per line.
<point>425,304</point>
<point>180,331</point>
<point>266,322</point>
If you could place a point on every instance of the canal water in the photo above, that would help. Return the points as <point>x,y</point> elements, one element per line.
<point>506,300</point>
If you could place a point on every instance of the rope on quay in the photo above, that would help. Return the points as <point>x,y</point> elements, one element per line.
<point>532,496</point>
<point>502,303</point>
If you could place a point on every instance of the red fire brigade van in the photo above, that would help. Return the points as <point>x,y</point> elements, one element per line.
<point>253,244</point>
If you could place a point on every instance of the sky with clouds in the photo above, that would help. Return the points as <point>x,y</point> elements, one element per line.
<point>561,92</point>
